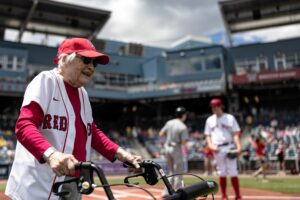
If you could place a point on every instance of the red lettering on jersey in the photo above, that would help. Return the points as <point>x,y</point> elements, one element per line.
<point>47,122</point>
<point>63,123</point>
<point>55,123</point>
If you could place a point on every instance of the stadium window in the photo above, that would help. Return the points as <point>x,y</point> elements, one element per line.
<point>291,60</point>
<point>240,66</point>
<point>118,79</point>
<point>213,62</point>
<point>131,49</point>
<point>22,64</point>
<point>262,63</point>
<point>2,62</point>
<point>297,55</point>
<point>184,66</point>
<point>243,66</point>
<point>136,49</point>
<point>99,78</point>
<point>112,79</point>
<point>5,61</point>
<point>252,66</point>
<point>9,64</point>
<point>122,79</point>
<point>130,79</point>
<point>279,61</point>
<point>14,63</point>
<point>121,51</point>
<point>197,64</point>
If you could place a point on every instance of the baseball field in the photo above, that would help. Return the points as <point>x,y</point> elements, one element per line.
<point>275,188</point>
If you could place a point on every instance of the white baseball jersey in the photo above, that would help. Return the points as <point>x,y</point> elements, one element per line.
<point>30,179</point>
<point>221,129</point>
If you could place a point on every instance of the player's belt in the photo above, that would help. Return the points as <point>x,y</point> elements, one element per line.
<point>172,144</point>
<point>224,144</point>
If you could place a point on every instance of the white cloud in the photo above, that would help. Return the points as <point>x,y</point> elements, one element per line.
<point>161,22</point>
<point>156,22</point>
<point>271,34</point>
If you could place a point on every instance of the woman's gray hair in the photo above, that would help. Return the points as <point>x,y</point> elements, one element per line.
<point>64,58</point>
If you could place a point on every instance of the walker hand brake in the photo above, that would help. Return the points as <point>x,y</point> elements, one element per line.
<point>152,172</point>
<point>58,184</point>
<point>85,183</point>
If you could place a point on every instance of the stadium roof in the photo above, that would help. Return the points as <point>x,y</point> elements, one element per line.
<point>51,17</point>
<point>245,15</point>
<point>191,41</point>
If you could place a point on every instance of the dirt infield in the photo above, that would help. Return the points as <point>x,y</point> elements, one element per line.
<point>133,193</point>
<point>3,197</point>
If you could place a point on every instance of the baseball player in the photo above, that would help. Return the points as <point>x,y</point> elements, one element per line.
<point>176,134</point>
<point>55,128</point>
<point>222,135</point>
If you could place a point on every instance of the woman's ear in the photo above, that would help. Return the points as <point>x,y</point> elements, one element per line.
<point>64,59</point>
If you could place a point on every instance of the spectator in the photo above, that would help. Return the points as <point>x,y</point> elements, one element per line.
<point>245,157</point>
<point>259,147</point>
<point>280,156</point>
<point>293,169</point>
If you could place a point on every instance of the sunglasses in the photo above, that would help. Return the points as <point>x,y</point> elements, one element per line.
<point>88,61</point>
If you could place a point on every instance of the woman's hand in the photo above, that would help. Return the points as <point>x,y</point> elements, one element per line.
<point>214,148</point>
<point>62,164</point>
<point>125,156</point>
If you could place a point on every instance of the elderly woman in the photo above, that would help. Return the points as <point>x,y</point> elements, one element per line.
<point>55,128</point>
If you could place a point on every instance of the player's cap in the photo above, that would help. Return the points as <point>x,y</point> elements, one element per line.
<point>180,111</point>
<point>216,102</point>
<point>83,47</point>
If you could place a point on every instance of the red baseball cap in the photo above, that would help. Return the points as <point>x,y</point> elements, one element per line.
<point>216,102</point>
<point>83,47</point>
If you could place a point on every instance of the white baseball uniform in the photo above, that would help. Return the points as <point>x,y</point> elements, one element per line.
<point>30,179</point>
<point>221,130</point>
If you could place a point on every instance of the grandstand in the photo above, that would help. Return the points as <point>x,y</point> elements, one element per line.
<point>138,91</point>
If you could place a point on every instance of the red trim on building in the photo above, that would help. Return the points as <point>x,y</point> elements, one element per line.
<point>266,76</point>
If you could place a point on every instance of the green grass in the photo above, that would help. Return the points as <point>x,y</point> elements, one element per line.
<point>2,187</point>
<point>287,185</point>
